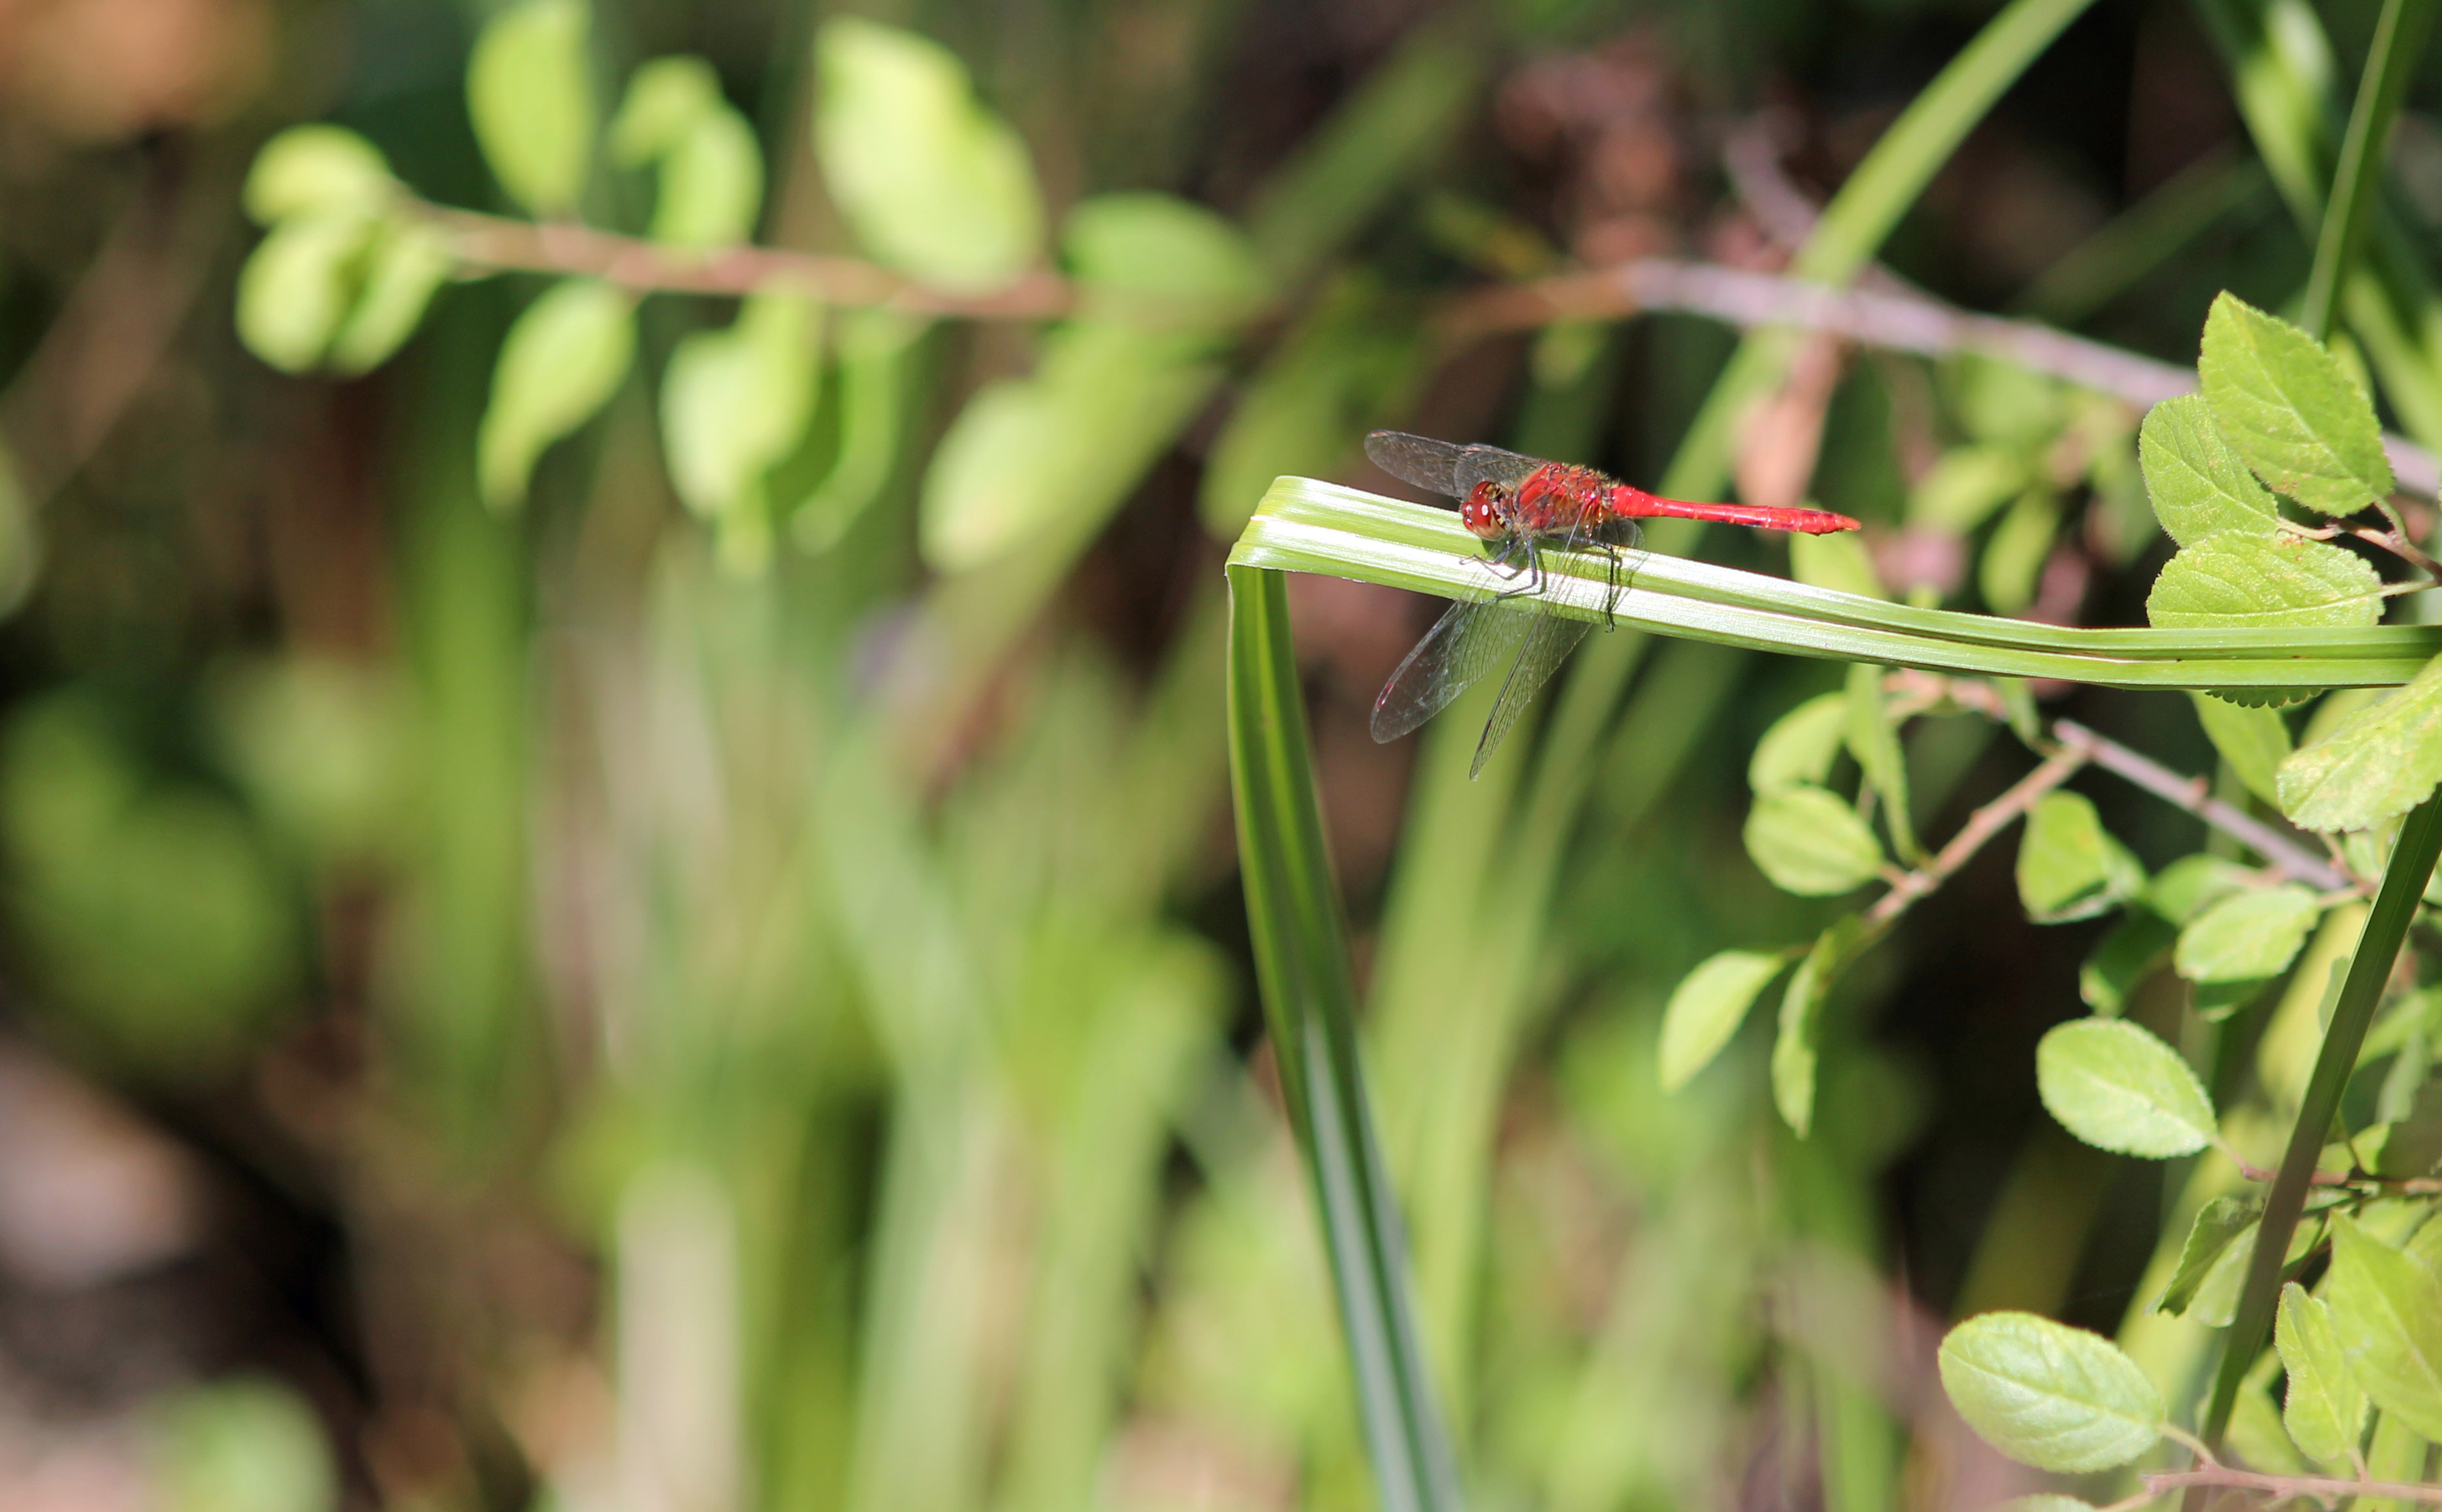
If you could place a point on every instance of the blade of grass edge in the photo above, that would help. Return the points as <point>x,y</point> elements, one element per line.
<point>2399,43</point>
<point>1301,947</point>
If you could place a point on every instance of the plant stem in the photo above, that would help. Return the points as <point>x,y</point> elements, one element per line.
<point>2283,1487</point>
<point>2403,886</point>
<point>2399,41</point>
<point>2192,794</point>
<point>1981,826</point>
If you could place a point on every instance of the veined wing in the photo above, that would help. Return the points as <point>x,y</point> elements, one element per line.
<point>1470,639</point>
<point>1445,467</point>
<point>1548,644</point>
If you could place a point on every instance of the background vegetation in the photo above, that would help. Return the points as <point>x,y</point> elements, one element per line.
<point>621,897</point>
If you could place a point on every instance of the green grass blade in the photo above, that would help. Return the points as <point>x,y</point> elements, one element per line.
<point>1301,948</point>
<point>2398,42</point>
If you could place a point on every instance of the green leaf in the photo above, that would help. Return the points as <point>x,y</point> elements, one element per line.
<point>2254,741</point>
<point>2379,762</point>
<point>735,402</point>
<point>1875,743</point>
<point>1798,1044</point>
<point>1959,491</point>
<point>2013,563</point>
<point>530,93</point>
<point>931,183</point>
<point>297,288</point>
<point>2180,890</point>
<point>1799,748</point>
<point>2138,943</point>
<point>318,170</point>
<point>1839,562</point>
<point>2325,1407</point>
<point>2050,1395</point>
<point>1811,842</point>
<point>1708,1008</point>
<point>710,185</point>
<point>874,350</point>
<point>2068,866</point>
<point>2118,1088</point>
<point>1161,259</point>
<point>408,264</point>
<point>665,98</point>
<point>566,353</point>
<point>2229,582</point>
<point>2251,934</point>
<point>2387,1315</point>
<point>2198,484</point>
<point>2289,409</point>
<point>2219,1225</point>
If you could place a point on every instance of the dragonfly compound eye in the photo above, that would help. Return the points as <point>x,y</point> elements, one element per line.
<point>1481,512</point>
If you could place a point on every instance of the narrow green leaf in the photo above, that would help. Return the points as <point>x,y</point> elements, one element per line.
<point>2249,935</point>
<point>2198,486</point>
<point>561,361</point>
<point>2234,581</point>
<point>933,183</point>
<point>2012,564</point>
<point>2325,1410</point>
<point>1874,740</point>
<point>2254,741</point>
<point>2218,1226</point>
<point>2068,866</point>
<point>736,401</point>
<point>2386,1312</point>
<point>2289,409</point>
<point>1799,748</point>
<point>406,267</point>
<point>2380,762</point>
<point>2138,943</point>
<point>530,93</point>
<point>1708,1008</point>
<point>1810,842</point>
<point>1797,1046</point>
<point>2050,1395</point>
<point>2118,1088</point>
<point>297,288</point>
<point>1961,489</point>
<point>318,170</point>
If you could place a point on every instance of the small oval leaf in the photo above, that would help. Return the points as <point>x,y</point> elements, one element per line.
<point>2118,1087</point>
<point>2248,936</point>
<point>566,353</point>
<point>297,288</point>
<point>530,94</point>
<point>1708,1008</point>
<point>2050,1395</point>
<point>1810,842</point>
<point>318,170</point>
<point>2068,866</point>
<point>2198,486</point>
<point>1798,1045</point>
<point>1799,748</point>
<point>2253,740</point>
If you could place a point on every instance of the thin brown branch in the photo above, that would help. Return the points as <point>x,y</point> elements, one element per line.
<point>2284,1487</point>
<point>1980,828</point>
<point>2191,793</point>
<point>2412,1185</point>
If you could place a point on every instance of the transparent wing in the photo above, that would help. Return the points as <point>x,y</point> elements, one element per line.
<point>1419,460</point>
<point>1481,463</point>
<point>1548,644</point>
<point>1466,642</point>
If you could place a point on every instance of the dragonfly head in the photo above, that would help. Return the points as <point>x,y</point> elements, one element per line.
<point>1484,511</point>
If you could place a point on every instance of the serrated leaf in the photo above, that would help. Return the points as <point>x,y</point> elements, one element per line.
<point>2289,409</point>
<point>2377,763</point>
<point>1708,1008</point>
<point>735,402</point>
<point>1875,743</point>
<point>2251,934</point>
<point>2324,1407</point>
<point>2180,890</point>
<point>2387,1315</point>
<point>2254,741</point>
<point>2231,582</point>
<point>405,267</point>
<point>298,286</point>
<point>2050,1395</point>
<point>318,170</point>
<point>1160,258</point>
<point>562,360</point>
<point>2118,1087</point>
<point>2068,866</point>
<point>1799,748</point>
<point>2219,1225</point>
<point>2013,557</point>
<point>1965,485</point>
<point>2198,486</point>
<point>2126,956</point>
<point>530,94</point>
<point>1798,1045</point>
<point>931,183</point>
<point>1810,842</point>
<point>2216,1302</point>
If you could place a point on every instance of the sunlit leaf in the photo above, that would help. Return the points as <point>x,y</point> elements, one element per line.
<point>1810,842</point>
<point>665,98</point>
<point>318,170</point>
<point>2386,1313</point>
<point>2376,763</point>
<point>2055,1397</point>
<point>1965,486</point>
<point>2013,563</point>
<point>735,401</point>
<point>2238,582</point>
<point>1708,1008</point>
<point>2180,890</point>
<point>566,353</point>
<point>530,93</point>
<point>2254,741</point>
<point>2325,1407</point>
<point>1875,742</point>
<point>406,265</point>
<point>1162,259</point>
<point>2251,934</point>
<point>2068,866</point>
<point>2289,409</point>
<point>2118,1087</point>
<point>1798,1045</point>
<point>2198,486</point>
<point>1799,748</point>
<point>1838,561</point>
<point>933,183</point>
<point>2219,1225</point>
<point>873,348</point>
<point>299,285</point>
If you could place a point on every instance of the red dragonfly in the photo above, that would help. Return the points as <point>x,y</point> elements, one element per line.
<point>1519,506</point>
